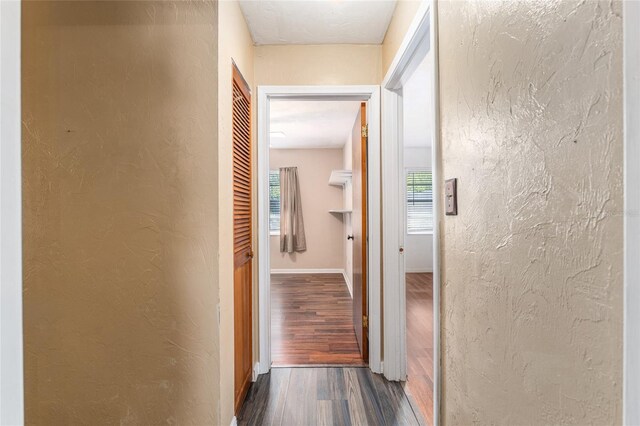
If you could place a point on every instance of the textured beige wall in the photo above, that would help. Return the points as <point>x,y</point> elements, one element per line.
<point>324,231</point>
<point>120,211</point>
<point>318,64</point>
<point>403,15</point>
<point>532,295</point>
<point>235,45</point>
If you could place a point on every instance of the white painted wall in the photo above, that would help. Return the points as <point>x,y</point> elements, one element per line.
<point>11,382</point>
<point>631,55</point>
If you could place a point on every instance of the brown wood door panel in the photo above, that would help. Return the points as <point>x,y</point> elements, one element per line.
<point>359,224</point>
<point>242,333</point>
<point>242,238</point>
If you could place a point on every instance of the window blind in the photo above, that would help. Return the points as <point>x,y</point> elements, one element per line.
<point>419,201</point>
<point>274,201</point>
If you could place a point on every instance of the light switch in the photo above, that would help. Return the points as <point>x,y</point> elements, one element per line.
<point>451,197</point>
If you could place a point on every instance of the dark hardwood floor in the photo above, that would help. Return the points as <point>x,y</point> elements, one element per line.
<point>311,321</point>
<point>419,386</point>
<point>325,396</point>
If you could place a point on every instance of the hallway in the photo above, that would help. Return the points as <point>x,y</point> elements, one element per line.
<point>443,192</point>
<point>325,396</point>
<point>311,321</point>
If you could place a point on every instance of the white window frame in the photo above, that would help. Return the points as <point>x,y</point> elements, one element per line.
<point>408,170</point>
<point>271,231</point>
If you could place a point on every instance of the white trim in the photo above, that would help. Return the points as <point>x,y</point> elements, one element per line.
<point>256,372</point>
<point>264,262</point>
<point>374,176</point>
<point>420,38</point>
<point>234,421</point>
<point>11,344</point>
<point>371,94</point>
<point>412,46</point>
<point>631,364</point>
<point>394,284</point>
<point>307,271</point>
<point>347,282</point>
<point>438,182</point>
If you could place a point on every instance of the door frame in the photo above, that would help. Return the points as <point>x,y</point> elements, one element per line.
<point>246,260</point>
<point>370,94</point>
<point>421,37</point>
<point>11,341</point>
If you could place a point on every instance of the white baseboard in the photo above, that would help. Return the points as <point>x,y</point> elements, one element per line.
<point>234,421</point>
<point>418,271</point>
<point>307,271</point>
<point>348,281</point>
<point>256,371</point>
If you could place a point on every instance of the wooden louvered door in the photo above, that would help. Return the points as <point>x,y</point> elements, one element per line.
<point>242,244</point>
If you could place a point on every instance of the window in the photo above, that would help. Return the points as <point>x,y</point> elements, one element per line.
<point>419,202</point>
<point>274,202</point>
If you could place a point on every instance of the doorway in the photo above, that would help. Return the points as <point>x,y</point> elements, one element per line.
<point>286,280</point>
<point>416,233</point>
<point>411,199</point>
<point>315,220</point>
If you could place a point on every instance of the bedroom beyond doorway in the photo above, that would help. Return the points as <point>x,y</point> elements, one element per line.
<point>317,214</point>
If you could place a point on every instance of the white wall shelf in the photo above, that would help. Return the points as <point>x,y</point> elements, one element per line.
<point>340,177</point>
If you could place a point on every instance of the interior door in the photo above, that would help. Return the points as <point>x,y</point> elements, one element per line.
<point>242,243</point>
<point>359,223</point>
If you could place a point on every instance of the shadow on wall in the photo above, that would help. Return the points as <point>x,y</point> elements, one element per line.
<point>120,212</point>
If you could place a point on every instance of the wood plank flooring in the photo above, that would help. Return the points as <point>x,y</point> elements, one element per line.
<point>325,396</point>
<point>311,321</point>
<point>419,386</point>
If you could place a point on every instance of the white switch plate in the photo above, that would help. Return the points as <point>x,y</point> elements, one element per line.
<point>451,197</point>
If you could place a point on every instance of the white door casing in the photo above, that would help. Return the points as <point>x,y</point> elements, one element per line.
<point>370,94</point>
<point>421,38</point>
<point>11,370</point>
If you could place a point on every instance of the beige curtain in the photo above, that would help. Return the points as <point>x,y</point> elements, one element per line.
<point>292,238</point>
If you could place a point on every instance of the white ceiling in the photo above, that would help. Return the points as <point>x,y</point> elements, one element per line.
<point>311,124</point>
<point>318,21</point>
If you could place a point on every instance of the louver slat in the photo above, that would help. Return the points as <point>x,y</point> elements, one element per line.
<point>242,204</point>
